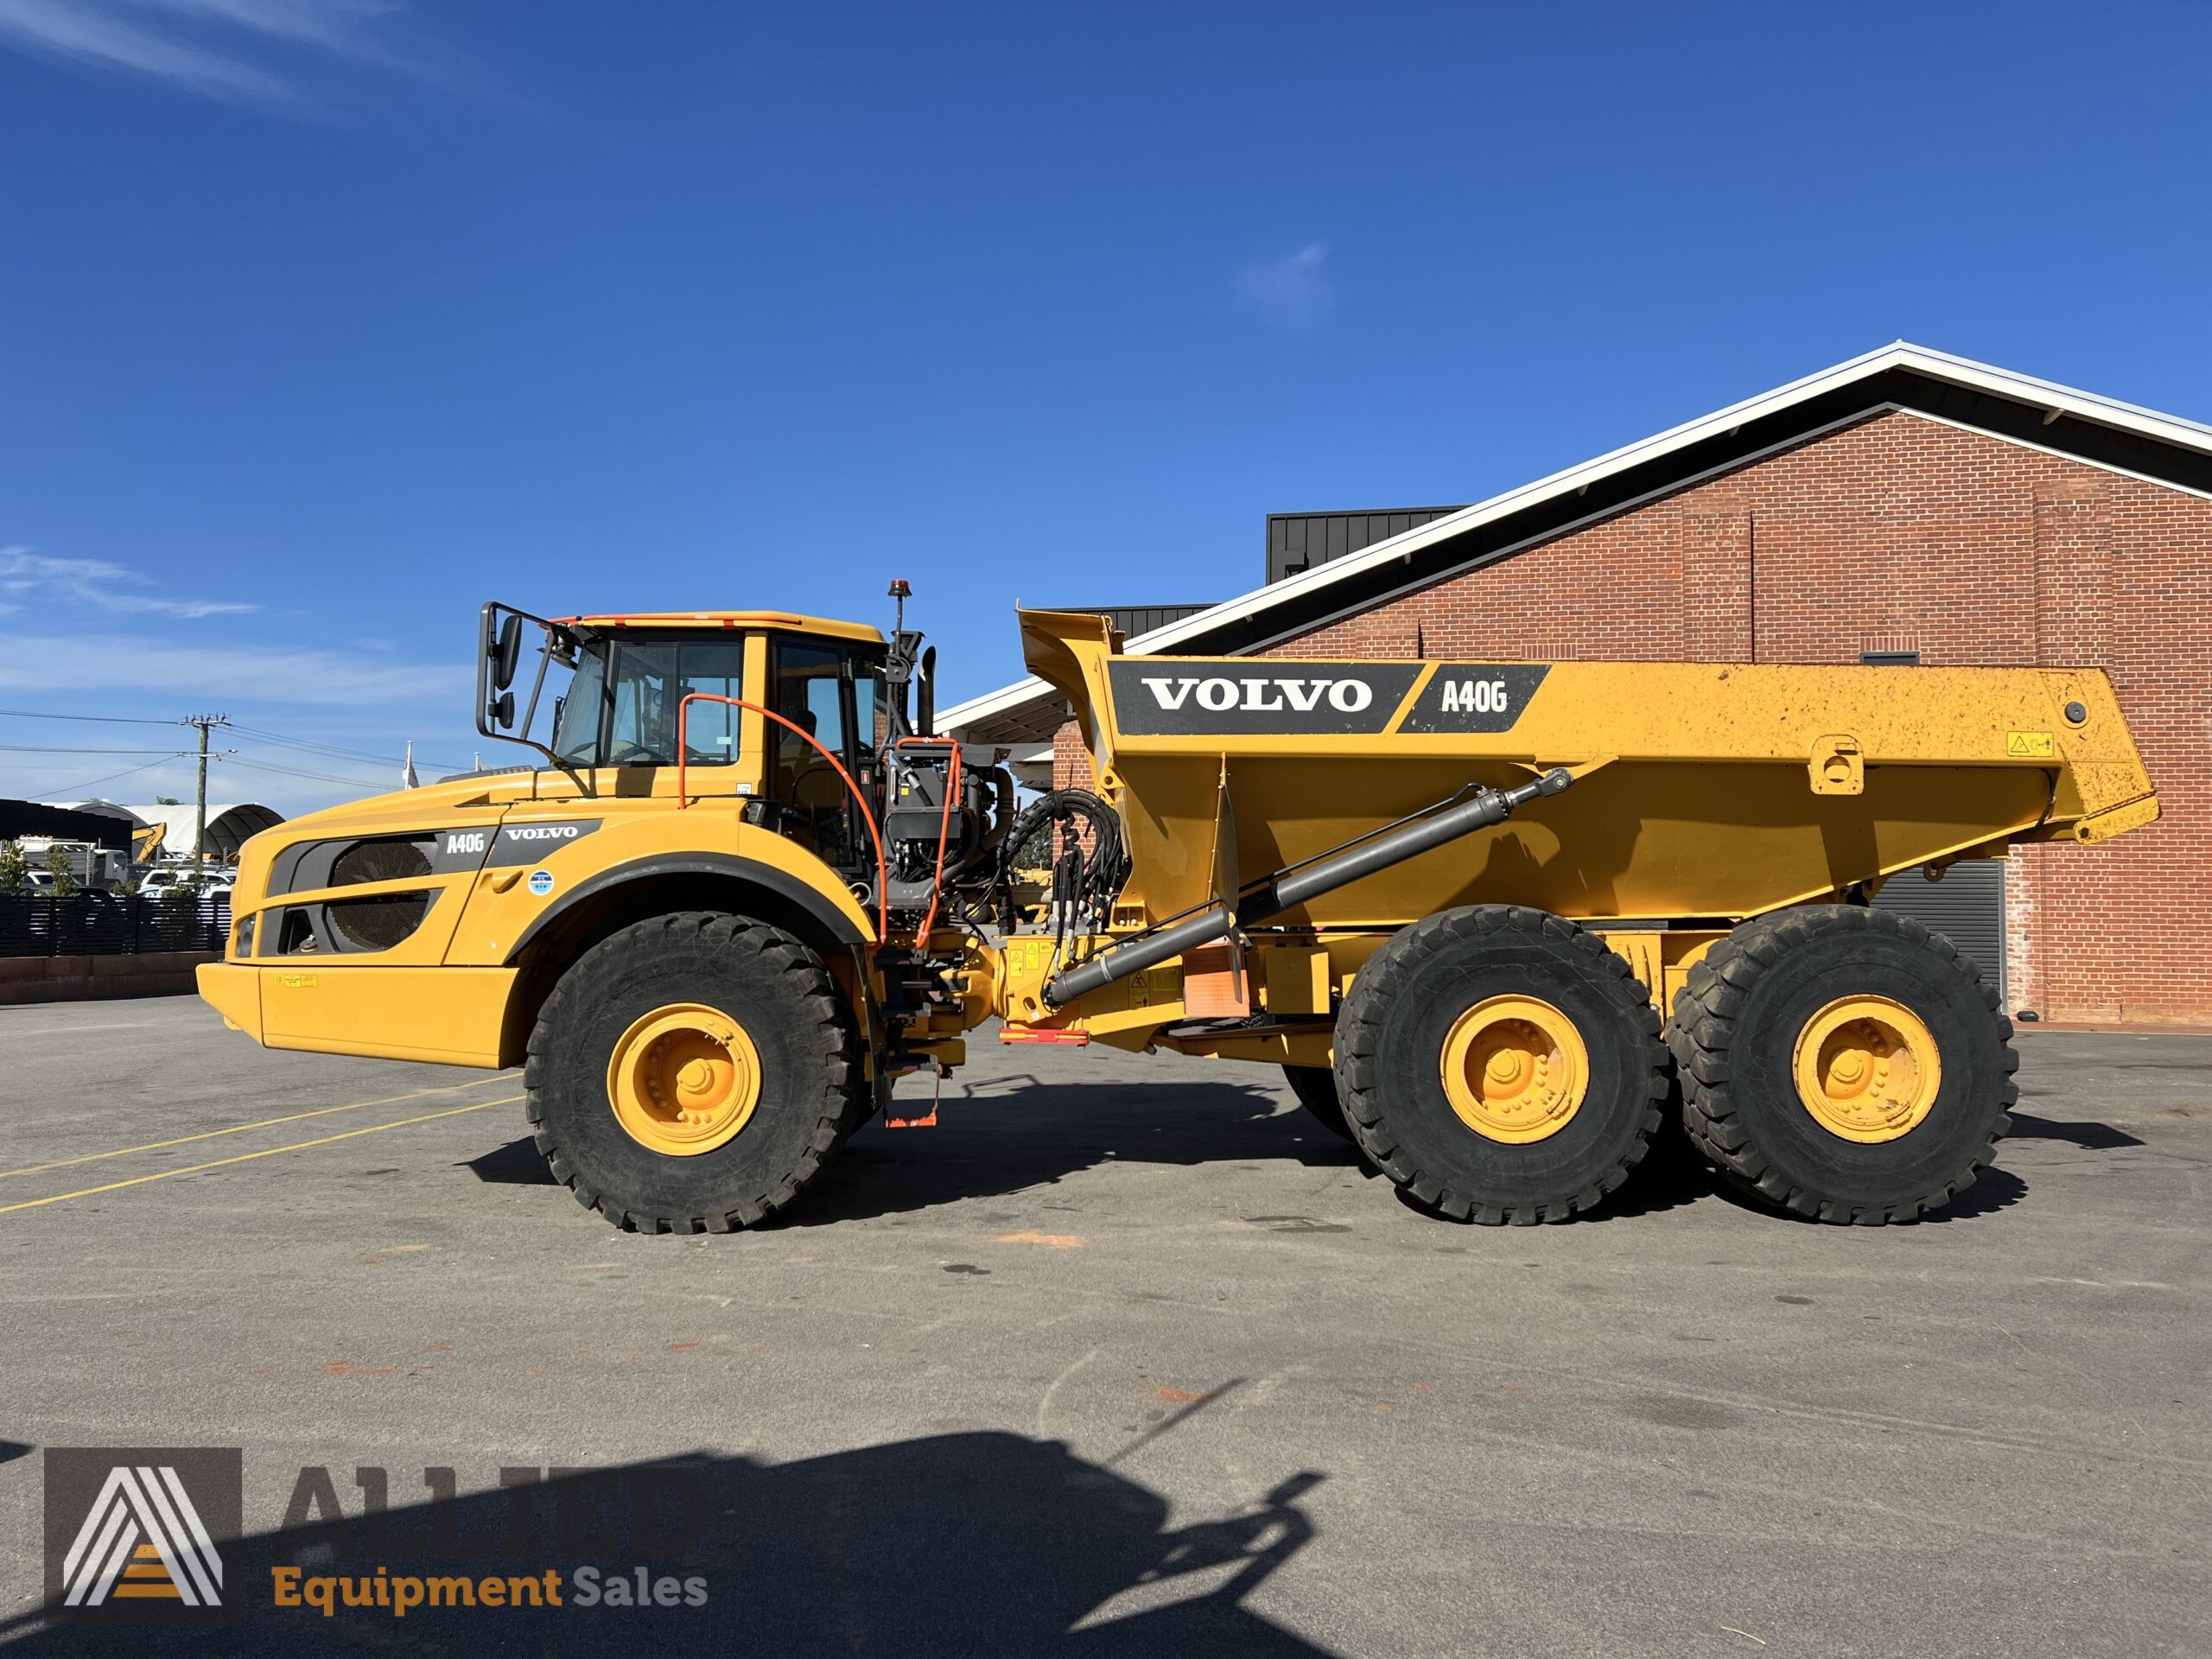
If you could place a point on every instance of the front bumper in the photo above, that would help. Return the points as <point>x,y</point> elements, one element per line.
<point>233,990</point>
<point>456,1016</point>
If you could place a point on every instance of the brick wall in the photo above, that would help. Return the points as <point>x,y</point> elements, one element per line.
<point>1902,533</point>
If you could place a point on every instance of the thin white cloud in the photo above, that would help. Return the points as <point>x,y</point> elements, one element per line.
<point>1291,292</point>
<point>229,49</point>
<point>107,586</point>
<point>55,662</point>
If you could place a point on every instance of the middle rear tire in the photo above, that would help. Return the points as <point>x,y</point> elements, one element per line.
<point>1316,1088</point>
<point>1501,1064</point>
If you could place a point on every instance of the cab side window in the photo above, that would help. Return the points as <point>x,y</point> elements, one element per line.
<point>711,729</point>
<point>812,687</point>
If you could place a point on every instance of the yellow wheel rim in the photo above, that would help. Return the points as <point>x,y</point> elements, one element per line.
<point>1866,1069</point>
<point>1515,1069</point>
<point>683,1079</point>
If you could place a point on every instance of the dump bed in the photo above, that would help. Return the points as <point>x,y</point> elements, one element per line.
<point>1703,790</point>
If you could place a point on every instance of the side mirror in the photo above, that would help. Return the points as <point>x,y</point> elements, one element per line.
<point>503,711</point>
<point>925,694</point>
<point>509,653</point>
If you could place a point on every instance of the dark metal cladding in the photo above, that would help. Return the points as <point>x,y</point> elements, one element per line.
<point>1298,540</point>
<point>1167,696</point>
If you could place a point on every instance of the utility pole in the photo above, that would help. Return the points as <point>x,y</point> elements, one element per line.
<point>200,807</point>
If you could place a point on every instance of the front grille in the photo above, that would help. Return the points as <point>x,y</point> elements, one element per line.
<point>392,858</point>
<point>378,924</point>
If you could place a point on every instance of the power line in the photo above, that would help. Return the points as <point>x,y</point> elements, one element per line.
<point>105,720</point>
<point>42,748</point>
<point>331,749</point>
<point>71,788</point>
<point>294,772</point>
<point>306,745</point>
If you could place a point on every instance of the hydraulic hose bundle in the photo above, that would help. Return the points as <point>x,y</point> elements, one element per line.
<point>1086,858</point>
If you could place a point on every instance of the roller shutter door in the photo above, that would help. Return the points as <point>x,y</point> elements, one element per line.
<point>1966,906</point>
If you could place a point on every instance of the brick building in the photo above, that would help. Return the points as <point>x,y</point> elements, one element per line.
<point>1905,507</point>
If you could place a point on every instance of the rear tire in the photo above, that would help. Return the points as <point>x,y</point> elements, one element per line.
<point>1407,1022</point>
<point>1316,1088</point>
<point>1745,1038</point>
<point>799,1058</point>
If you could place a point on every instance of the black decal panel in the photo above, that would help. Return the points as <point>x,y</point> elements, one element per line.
<point>1256,696</point>
<point>309,865</point>
<point>531,843</point>
<point>1474,697</point>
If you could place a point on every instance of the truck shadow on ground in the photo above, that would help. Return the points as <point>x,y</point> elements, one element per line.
<point>1014,1139</point>
<point>953,1544</point>
<point>1035,1134</point>
<point>2090,1136</point>
<point>1675,1173</point>
<point>1003,1143</point>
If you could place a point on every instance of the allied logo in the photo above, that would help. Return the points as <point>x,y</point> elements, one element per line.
<point>144,1535</point>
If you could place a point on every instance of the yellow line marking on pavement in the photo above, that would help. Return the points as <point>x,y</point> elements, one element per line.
<point>248,1157</point>
<point>264,1123</point>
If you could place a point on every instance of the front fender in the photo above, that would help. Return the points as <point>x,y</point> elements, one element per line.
<point>844,922</point>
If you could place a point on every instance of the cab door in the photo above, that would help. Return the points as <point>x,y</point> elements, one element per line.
<point>830,691</point>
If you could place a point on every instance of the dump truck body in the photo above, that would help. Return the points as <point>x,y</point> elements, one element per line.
<point>1704,794</point>
<point>1282,859</point>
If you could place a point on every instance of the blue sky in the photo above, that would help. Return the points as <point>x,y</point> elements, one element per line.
<point>323,320</point>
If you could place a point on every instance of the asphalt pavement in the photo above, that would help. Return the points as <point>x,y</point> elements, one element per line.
<point>1125,1354</point>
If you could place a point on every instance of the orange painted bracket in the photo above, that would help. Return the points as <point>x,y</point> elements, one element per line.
<point>1035,1034</point>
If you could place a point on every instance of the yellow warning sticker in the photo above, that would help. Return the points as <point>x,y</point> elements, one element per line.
<point>2031,746</point>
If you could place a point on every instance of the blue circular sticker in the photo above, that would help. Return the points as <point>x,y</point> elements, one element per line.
<point>541,882</point>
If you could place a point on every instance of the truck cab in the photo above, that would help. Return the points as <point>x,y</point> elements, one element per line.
<point>625,716</point>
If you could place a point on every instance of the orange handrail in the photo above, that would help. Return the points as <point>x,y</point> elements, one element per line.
<point>683,798</point>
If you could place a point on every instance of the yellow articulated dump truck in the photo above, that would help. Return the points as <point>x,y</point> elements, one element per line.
<point>1494,920</point>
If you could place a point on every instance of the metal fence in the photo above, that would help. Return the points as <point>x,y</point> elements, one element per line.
<point>112,924</point>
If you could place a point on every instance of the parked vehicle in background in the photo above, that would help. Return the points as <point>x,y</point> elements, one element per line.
<point>89,866</point>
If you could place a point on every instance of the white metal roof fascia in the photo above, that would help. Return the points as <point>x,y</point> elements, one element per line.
<point>1940,365</point>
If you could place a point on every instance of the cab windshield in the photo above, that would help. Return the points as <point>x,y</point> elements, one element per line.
<point>621,706</point>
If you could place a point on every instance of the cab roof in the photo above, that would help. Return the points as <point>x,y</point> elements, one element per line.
<point>787,621</point>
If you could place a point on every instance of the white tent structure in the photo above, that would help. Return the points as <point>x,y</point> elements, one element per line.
<point>229,825</point>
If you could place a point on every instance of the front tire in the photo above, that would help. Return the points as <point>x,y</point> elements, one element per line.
<point>1844,1063</point>
<point>692,1073</point>
<point>1500,1064</point>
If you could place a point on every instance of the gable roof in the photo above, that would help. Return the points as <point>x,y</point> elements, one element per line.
<point>2140,443</point>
